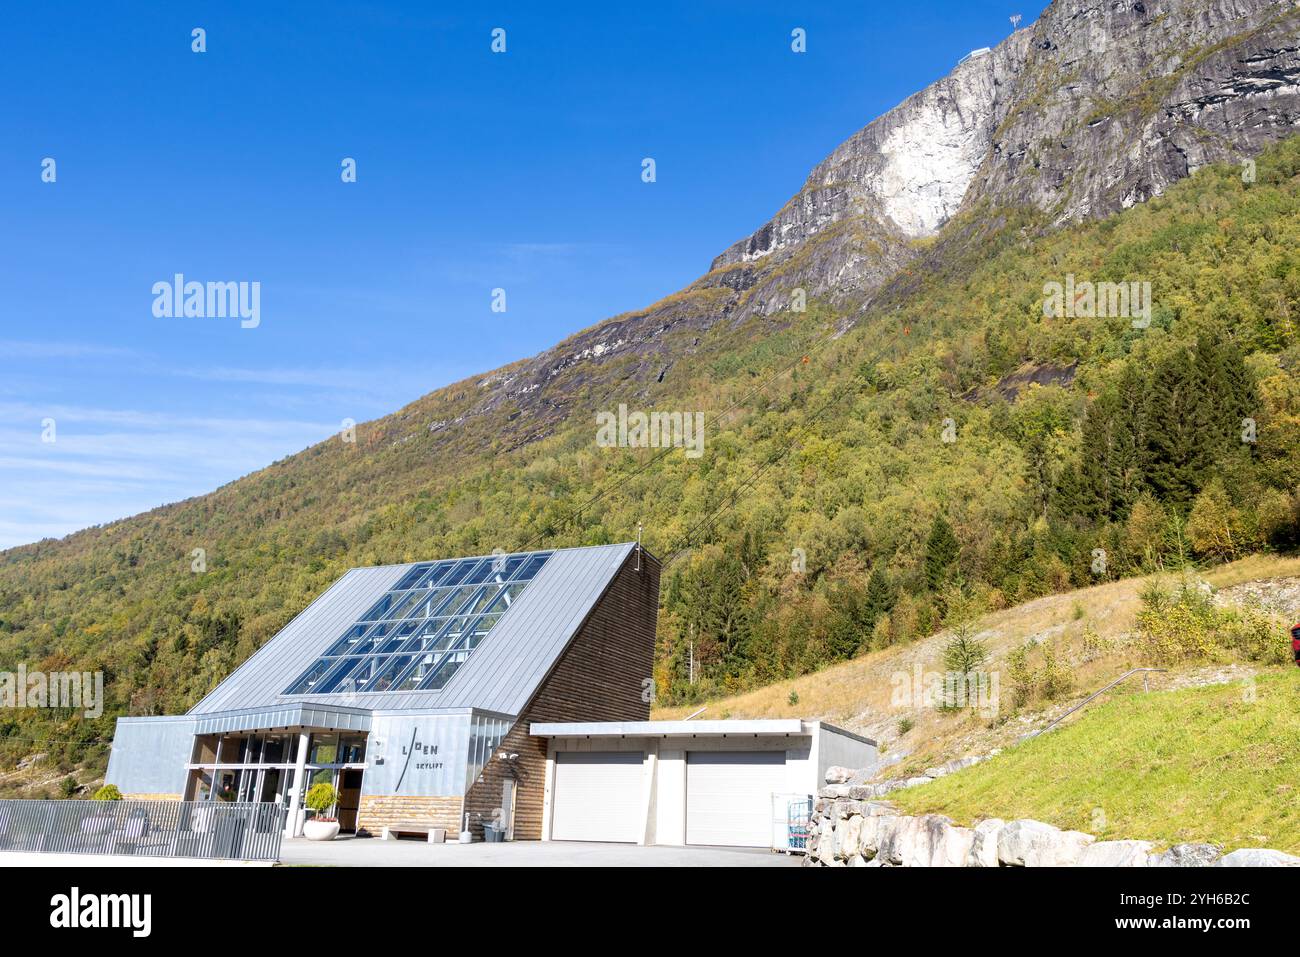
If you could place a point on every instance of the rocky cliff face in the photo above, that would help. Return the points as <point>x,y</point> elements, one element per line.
<point>910,169</point>
<point>1095,107</point>
<point>1118,100</point>
<point>1091,109</point>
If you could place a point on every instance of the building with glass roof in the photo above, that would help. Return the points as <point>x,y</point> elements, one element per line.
<point>411,689</point>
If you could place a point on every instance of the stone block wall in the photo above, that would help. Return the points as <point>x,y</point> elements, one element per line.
<point>151,797</point>
<point>376,811</point>
<point>846,832</point>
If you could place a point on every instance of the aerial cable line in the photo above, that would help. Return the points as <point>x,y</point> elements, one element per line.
<point>730,500</point>
<point>622,479</point>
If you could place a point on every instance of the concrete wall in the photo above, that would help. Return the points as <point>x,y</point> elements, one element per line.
<point>835,746</point>
<point>149,755</point>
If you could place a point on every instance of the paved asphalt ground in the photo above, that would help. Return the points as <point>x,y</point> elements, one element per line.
<point>371,852</point>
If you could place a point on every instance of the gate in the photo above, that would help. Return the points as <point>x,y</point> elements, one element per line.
<point>216,830</point>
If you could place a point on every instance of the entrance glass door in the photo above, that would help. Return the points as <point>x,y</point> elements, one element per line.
<point>349,799</point>
<point>272,785</point>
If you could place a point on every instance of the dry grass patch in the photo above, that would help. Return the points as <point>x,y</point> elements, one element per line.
<point>858,694</point>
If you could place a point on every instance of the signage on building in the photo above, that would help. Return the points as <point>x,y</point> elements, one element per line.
<point>418,756</point>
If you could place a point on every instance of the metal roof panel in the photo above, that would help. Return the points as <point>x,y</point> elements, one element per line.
<point>500,676</point>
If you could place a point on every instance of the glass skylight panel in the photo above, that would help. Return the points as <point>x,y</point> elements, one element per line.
<point>305,684</point>
<point>532,565</point>
<point>350,643</point>
<point>380,609</point>
<point>424,628</point>
<point>389,672</point>
<point>508,568</point>
<point>411,577</point>
<point>457,574</point>
<point>435,575</point>
<point>481,573</point>
<point>338,679</point>
<point>505,598</point>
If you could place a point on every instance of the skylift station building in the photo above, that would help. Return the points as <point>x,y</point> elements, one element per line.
<point>512,689</point>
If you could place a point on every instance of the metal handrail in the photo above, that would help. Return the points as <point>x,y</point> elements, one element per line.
<point>1128,674</point>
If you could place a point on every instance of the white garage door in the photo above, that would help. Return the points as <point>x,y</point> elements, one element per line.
<point>729,796</point>
<point>597,796</point>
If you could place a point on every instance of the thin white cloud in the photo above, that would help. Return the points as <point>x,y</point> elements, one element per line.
<point>16,349</point>
<point>106,464</point>
<point>109,462</point>
<point>14,411</point>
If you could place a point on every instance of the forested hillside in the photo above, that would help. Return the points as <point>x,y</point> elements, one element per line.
<point>862,469</point>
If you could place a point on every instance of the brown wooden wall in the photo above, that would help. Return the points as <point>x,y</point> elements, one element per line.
<point>601,677</point>
<point>378,810</point>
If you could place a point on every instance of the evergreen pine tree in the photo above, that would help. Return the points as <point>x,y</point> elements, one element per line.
<point>1126,465</point>
<point>880,597</point>
<point>1197,404</point>
<point>1175,436</point>
<point>941,550</point>
<point>1233,389</point>
<point>1113,453</point>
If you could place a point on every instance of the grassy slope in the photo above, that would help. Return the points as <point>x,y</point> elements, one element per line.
<point>862,488</point>
<point>1225,776</point>
<point>856,694</point>
<point>1200,764</point>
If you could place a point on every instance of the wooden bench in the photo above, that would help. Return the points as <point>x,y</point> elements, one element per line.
<point>433,833</point>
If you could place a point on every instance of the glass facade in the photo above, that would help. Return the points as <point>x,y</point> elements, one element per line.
<point>485,734</point>
<point>259,766</point>
<point>417,636</point>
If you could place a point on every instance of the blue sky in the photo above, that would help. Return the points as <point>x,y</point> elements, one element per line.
<point>475,171</point>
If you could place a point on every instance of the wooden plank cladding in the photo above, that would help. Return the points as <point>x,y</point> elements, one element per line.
<point>376,811</point>
<point>603,675</point>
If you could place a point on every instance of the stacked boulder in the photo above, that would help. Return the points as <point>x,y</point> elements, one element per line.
<point>850,830</point>
<point>844,782</point>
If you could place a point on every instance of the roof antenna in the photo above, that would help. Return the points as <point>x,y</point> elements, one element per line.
<point>639,526</point>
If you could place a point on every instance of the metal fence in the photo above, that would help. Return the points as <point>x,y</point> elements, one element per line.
<point>208,829</point>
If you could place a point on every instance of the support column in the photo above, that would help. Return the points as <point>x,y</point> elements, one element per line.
<point>293,823</point>
<point>548,789</point>
<point>649,794</point>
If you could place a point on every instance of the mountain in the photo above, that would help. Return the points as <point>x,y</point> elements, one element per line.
<point>923,426</point>
<point>1091,109</point>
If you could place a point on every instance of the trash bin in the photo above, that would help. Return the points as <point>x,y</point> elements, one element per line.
<point>492,834</point>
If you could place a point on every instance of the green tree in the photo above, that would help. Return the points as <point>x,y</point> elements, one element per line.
<point>1144,533</point>
<point>1214,526</point>
<point>880,596</point>
<point>1176,438</point>
<point>1113,451</point>
<point>941,551</point>
<point>1198,401</point>
<point>964,654</point>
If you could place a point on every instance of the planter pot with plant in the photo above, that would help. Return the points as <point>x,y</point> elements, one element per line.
<point>321,798</point>
<point>101,822</point>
